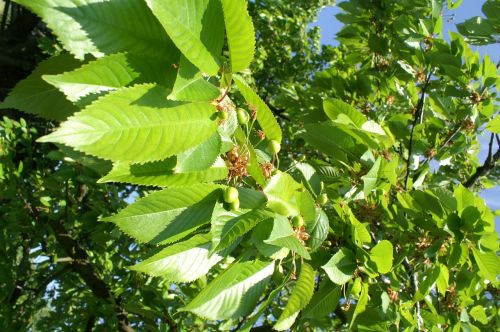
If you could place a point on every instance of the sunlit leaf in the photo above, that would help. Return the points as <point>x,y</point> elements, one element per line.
<point>136,125</point>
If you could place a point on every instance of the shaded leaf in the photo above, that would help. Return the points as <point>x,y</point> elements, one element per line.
<point>168,215</point>
<point>181,262</point>
<point>283,236</point>
<point>324,301</point>
<point>300,297</point>
<point>128,26</point>
<point>162,174</point>
<point>200,157</point>
<point>341,266</point>
<point>194,27</point>
<point>110,73</point>
<point>47,102</point>
<point>190,84</point>
<point>234,293</point>
<point>228,226</point>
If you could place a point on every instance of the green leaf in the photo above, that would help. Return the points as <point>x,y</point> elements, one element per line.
<point>240,33</point>
<point>228,226</point>
<point>334,107</point>
<point>464,197</point>
<point>181,262</point>
<point>360,233</point>
<point>488,263</point>
<point>265,117</point>
<point>494,125</point>
<point>110,73</point>
<point>341,266</point>
<point>190,84</point>
<point>260,234</point>
<point>479,314</point>
<point>319,230</point>
<point>280,192</point>
<point>443,279</point>
<point>371,178</point>
<point>361,304</point>
<point>195,28</point>
<point>168,215</point>
<point>478,30</point>
<point>256,316</point>
<point>330,140</point>
<point>311,178</point>
<point>324,301</point>
<point>298,300</point>
<point>104,27</point>
<point>161,174</point>
<point>283,235</point>
<point>251,199</point>
<point>234,293</point>
<point>382,256</point>
<point>200,157</point>
<point>429,278</point>
<point>35,96</point>
<point>136,125</point>
<point>454,4</point>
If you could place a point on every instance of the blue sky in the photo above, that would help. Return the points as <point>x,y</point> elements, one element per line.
<point>330,26</point>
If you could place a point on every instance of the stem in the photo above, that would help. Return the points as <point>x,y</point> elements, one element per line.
<point>488,165</point>
<point>413,276</point>
<point>3,23</point>
<point>418,114</point>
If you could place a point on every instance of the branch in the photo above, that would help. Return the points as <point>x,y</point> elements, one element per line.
<point>89,327</point>
<point>413,276</point>
<point>488,165</point>
<point>81,265</point>
<point>418,114</point>
<point>5,14</point>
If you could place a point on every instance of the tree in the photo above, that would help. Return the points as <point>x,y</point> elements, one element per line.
<point>345,224</point>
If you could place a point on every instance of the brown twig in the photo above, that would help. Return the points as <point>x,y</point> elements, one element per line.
<point>488,164</point>
<point>416,118</point>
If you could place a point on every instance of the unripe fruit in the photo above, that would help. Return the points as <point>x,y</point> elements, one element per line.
<point>242,116</point>
<point>230,195</point>
<point>298,221</point>
<point>322,199</point>
<point>274,146</point>
<point>222,115</point>
<point>234,206</point>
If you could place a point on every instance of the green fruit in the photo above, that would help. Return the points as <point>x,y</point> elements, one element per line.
<point>222,115</point>
<point>242,116</point>
<point>274,146</point>
<point>322,199</point>
<point>298,221</point>
<point>234,206</point>
<point>230,195</point>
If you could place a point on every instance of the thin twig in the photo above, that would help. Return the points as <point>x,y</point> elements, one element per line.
<point>3,24</point>
<point>418,113</point>
<point>488,165</point>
